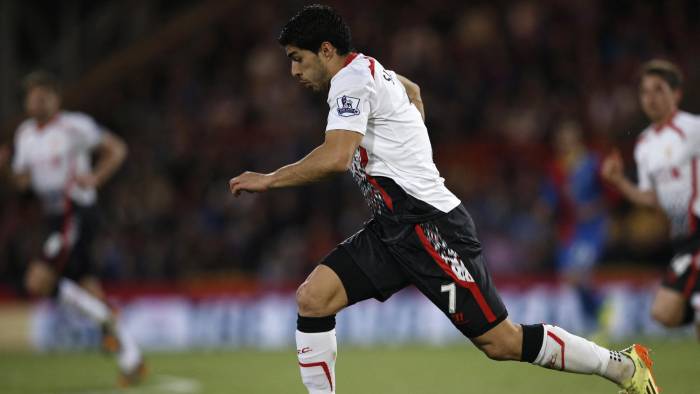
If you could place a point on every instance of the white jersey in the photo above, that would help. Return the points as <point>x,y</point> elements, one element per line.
<point>53,154</point>
<point>366,98</point>
<point>667,163</point>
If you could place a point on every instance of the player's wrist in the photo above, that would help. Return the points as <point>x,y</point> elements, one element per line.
<point>271,180</point>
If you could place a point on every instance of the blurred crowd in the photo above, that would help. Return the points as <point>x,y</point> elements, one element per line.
<point>498,79</point>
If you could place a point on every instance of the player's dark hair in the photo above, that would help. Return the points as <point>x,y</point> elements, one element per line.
<point>313,25</point>
<point>42,79</point>
<point>666,70</point>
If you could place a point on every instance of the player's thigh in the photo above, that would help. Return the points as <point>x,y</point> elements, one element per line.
<point>40,278</point>
<point>669,307</point>
<point>444,261</point>
<point>360,268</point>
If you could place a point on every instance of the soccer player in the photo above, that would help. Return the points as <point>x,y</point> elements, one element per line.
<point>573,195</point>
<point>666,155</point>
<point>419,235</point>
<point>52,157</point>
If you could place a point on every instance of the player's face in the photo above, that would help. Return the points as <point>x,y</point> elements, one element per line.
<point>41,103</point>
<point>658,100</point>
<point>307,68</point>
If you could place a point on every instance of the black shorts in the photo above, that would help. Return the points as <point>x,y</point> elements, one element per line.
<point>441,257</point>
<point>72,259</point>
<point>683,274</point>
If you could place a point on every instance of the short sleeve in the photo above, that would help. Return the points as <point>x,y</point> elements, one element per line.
<point>86,132</point>
<point>644,181</point>
<point>349,103</point>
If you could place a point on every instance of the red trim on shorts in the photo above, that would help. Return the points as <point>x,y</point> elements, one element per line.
<point>563,347</point>
<point>471,286</point>
<point>694,195</point>
<point>385,196</point>
<point>692,277</point>
<point>323,365</point>
<point>350,58</point>
<point>364,159</point>
<point>67,227</point>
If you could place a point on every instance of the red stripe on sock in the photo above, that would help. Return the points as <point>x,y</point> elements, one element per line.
<point>471,286</point>
<point>563,347</point>
<point>323,365</point>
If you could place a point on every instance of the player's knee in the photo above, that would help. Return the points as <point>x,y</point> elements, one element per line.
<point>500,351</point>
<point>311,302</point>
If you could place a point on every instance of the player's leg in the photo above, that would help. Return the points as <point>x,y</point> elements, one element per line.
<point>466,294</point>
<point>672,301</point>
<point>342,279</point>
<point>555,348</point>
<point>670,308</point>
<point>319,298</point>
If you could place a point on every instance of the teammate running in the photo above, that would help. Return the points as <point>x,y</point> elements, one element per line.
<point>420,233</point>
<point>52,157</point>
<point>666,155</point>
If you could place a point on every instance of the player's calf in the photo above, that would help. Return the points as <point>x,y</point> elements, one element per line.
<point>501,343</point>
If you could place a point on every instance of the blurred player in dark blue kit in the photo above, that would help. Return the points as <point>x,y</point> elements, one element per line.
<point>574,195</point>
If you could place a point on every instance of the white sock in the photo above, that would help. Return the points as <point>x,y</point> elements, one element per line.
<point>129,356</point>
<point>567,352</point>
<point>70,293</point>
<point>317,353</point>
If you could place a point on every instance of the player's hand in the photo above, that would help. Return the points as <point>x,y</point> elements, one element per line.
<point>612,168</point>
<point>252,182</point>
<point>87,181</point>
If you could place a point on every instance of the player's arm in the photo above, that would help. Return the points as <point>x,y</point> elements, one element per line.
<point>21,179</point>
<point>413,92</point>
<point>331,157</point>
<point>612,171</point>
<point>112,151</point>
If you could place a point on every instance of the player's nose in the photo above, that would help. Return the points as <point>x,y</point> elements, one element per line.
<point>296,72</point>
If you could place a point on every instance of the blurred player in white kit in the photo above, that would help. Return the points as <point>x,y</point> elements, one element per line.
<point>52,158</point>
<point>667,154</point>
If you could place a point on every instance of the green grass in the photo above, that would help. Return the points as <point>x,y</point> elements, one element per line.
<point>413,370</point>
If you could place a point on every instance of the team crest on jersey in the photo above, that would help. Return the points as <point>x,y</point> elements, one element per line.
<point>348,106</point>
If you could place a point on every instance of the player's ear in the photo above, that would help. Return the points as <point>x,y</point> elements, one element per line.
<point>327,50</point>
<point>678,95</point>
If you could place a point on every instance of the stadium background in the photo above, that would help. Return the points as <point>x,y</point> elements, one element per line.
<point>201,91</point>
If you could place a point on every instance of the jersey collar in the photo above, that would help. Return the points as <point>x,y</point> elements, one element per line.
<point>669,122</point>
<point>350,58</point>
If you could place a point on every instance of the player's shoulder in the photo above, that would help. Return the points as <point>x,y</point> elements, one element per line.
<point>75,117</point>
<point>25,128</point>
<point>358,70</point>
<point>686,120</point>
